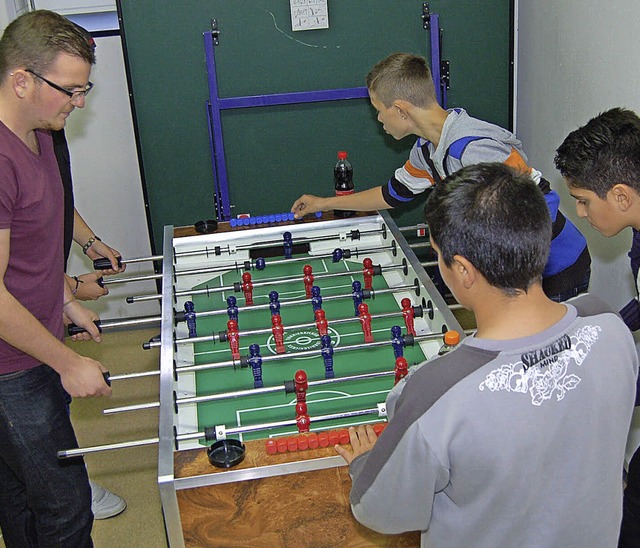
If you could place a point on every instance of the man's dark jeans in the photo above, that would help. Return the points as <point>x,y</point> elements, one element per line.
<point>44,501</point>
<point>630,529</point>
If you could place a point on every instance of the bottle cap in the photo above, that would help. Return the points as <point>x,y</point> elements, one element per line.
<point>342,155</point>
<point>451,338</point>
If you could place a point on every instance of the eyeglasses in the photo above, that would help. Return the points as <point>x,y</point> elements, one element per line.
<point>73,95</point>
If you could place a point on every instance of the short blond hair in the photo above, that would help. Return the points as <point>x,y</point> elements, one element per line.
<point>402,76</point>
<point>35,39</point>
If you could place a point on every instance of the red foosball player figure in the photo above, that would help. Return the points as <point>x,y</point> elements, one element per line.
<point>367,273</point>
<point>278,333</point>
<point>303,422</point>
<point>307,270</point>
<point>301,384</point>
<point>408,314</point>
<point>401,369</point>
<point>301,408</point>
<point>365,320</point>
<point>233,336</point>
<point>302,417</point>
<point>247,288</point>
<point>321,322</point>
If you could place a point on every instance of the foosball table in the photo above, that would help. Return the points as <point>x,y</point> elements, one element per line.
<point>257,386</point>
<point>276,336</point>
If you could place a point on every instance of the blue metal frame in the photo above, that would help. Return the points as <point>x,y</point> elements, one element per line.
<point>216,104</point>
<point>436,58</point>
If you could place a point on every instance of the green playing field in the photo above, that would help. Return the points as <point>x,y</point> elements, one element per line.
<point>338,397</point>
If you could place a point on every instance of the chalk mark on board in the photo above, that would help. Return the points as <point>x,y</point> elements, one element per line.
<point>275,24</point>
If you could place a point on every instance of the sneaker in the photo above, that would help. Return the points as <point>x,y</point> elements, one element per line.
<point>104,503</point>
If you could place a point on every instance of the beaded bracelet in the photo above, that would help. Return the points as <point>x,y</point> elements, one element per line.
<point>89,243</point>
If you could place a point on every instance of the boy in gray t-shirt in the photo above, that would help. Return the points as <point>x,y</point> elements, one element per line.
<point>517,437</point>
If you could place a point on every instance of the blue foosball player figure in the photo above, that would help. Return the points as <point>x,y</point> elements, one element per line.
<point>190,318</point>
<point>337,254</point>
<point>255,361</point>
<point>288,245</point>
<point>356,293</point>
<point>327,356</point>
<point>316,300</point>
<point>232,309</point>
<point>397,341</point>
<point>274,303</point>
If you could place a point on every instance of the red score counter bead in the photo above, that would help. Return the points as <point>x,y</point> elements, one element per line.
<point>379,427</point>
<point>292,444</point>
<point>312,439</point>
<point>271,446</point>
<point>344,436</point>
<point>334,437</point>
<point>303,442</point>
<point>281,444</point>
<point>323,439</point>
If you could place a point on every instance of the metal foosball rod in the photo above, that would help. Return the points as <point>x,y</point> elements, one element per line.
<point>247,265</point>
<point>210,433</point>
<point>342,253</point>
<point>426,245</point>
<point>218,250</point>
<point>127,279</point>
<point>420,245</point>
<point>454,306</point>
<point>353,235</point>
<point>221,337</point>
<point>367,294</point>
<point>180,317</point>
<point>414,228</point>
<point>410,341</point>
<point>237,286</point>
<point>105,264</point>
<point>246,392</point>
<point>73,329</point>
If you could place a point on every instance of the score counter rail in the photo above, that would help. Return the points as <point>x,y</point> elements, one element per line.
<point>355,396</point>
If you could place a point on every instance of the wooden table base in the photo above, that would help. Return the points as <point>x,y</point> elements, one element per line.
<point>308,509</point>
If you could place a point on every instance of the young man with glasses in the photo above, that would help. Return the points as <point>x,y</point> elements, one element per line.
<point>45,63</point>
<point>74,95</point>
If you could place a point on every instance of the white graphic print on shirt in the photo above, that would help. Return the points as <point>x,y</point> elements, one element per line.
<point>545,372</point>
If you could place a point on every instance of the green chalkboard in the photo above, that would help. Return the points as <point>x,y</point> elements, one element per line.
<point>276,153</point>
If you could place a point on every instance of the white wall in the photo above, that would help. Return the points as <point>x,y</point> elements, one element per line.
<point>577,58</point>
<point>106,177</point>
